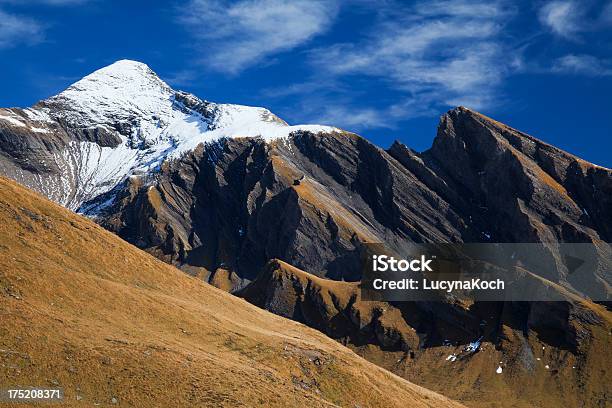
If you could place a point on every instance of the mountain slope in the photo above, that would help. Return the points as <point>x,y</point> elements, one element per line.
<point>83,310</point>
<point>223,212</point>
<point>429,343</point>
<point>221,189</point>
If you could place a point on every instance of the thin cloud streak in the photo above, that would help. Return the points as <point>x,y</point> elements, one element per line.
<point>16,30</point>
<point>569,18</point>
<point>444,53</point>
<point>582,65</point>
<point>238,35</point>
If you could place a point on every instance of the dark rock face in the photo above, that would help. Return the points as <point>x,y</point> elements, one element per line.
<point>21,148</point>
<point>313,200</point>
<point>236,204</point>
<point>531,188</point>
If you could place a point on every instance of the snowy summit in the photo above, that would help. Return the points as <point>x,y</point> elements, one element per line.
<point>130,91</point>
<point>149,121</point>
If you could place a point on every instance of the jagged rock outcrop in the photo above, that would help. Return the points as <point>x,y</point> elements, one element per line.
<point>236,204</point>
<point>313,200</point>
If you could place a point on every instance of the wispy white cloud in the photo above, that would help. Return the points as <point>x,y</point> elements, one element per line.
<point>436,54</point>
<point>325,100</point>
<point>562,18</point>
<point>440,53</point>
<point>236,35</point>
<point>16,30</point>
<point>461,8</point>
<point>582,65</point>
<point>569,18</point>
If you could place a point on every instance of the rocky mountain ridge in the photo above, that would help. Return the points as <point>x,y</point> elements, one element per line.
<point>485,354</point>
<point>313,200</point>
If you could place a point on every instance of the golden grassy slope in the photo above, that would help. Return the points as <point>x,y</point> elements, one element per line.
<point>112,325</point>
<point>572,379</point>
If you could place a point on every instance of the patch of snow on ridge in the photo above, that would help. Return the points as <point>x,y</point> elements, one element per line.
<point>473,346</point>
<point>39,130</point>
<point>12,120</point>
<point>38,115</point>
<point>152,121</point>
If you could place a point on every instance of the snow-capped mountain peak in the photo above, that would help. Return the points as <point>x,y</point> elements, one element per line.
<point>121,91</point>
<point>129,98</point>
<point>123,120</point>
<point>123,81</point>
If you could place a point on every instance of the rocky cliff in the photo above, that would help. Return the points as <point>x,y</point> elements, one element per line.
<point>313,200</point>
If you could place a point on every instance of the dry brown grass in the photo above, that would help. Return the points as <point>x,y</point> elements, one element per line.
<point>573,379</point>
<point>82,309</point>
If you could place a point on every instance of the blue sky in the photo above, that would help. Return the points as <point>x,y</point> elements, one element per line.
<point>385,69</point>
